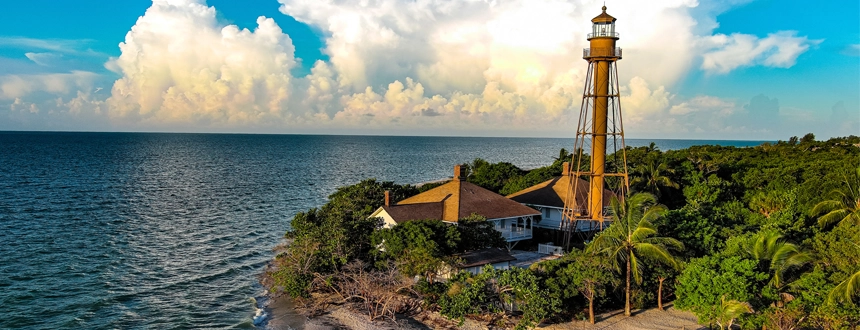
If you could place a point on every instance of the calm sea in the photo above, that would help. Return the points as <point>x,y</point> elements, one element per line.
<point>123,230</point>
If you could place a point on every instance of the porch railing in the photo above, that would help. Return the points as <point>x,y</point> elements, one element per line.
<point>549,249</point>
<point>515,233</point>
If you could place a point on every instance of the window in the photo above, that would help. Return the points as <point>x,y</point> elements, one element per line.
<point>603,29</point>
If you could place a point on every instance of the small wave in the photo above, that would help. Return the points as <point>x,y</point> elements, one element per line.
<point>260,316</point>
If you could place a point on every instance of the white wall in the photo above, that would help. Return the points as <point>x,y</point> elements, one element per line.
<point>554,220</point>
<point>388,221</point>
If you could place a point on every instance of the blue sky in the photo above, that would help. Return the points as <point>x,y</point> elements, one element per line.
<point>825,70</point>
<point>730,70</point>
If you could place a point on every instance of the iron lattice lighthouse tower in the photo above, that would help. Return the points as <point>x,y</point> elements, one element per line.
<point>599,131</point>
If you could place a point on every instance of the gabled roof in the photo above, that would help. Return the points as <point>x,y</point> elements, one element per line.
<point>455,200</point>
<point>554,191</point>
<point>419,211</point>
<point>484,257</point>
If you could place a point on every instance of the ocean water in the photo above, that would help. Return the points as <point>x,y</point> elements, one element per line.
<point>133,230</point>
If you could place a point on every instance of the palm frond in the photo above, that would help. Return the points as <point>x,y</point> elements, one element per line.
<point>846,290</point>
<point>832,217</point>
<point>826,206</point>
<point>617,256</point>
<point>642,232</point>
<point>667,242</point>
<point>732,309</point>
<point>665,181</point>
<point>842,207</point>
<point>654,212</point>
<point>798,259</point>
<point>635,267</point>
<point>655,252</point>
<point>852,219</point>
<point>780,255</point>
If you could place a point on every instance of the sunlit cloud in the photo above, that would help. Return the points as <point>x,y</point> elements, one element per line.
<point>179,65</point>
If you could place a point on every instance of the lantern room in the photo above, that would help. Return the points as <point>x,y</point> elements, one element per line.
<point>604,26</point>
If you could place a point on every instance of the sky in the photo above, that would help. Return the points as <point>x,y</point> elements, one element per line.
<point>727,70</point>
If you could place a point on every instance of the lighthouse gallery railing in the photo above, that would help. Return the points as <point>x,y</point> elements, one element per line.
<point>608,52</point>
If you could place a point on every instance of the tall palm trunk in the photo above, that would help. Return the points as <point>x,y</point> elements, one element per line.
<point>627,293</point>
<point>660,293</point>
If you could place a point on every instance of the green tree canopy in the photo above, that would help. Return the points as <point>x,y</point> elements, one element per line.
<point>477,233</point>
<point>492,176</point>
<point>705,281</point>
<point>584,274</point>
<point>322,240</point>
<point>652,177</point>
<point>419,247</point>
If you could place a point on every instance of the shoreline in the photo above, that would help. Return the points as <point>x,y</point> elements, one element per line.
<point>280,313</point>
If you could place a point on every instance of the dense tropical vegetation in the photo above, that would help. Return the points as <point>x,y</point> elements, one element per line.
<point>767,236</point>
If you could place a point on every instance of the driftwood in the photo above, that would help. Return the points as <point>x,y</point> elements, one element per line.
<point>379,294</point>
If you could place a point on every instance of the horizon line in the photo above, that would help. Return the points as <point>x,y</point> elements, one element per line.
<point>373,135</point>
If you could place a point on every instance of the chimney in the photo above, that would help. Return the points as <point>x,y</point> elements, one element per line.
<point>387,198</point>
<point>565,169</point>
<point>458,173</point>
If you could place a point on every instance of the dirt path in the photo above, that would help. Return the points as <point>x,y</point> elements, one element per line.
<point>649,319</point>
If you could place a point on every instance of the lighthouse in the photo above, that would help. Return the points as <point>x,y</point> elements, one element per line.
<point>599,158</point>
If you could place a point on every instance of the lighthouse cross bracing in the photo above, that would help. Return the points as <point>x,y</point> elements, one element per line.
<point>599,133</point>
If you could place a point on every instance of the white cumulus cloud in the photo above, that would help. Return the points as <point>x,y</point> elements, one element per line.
<point>179,65</point>
<point>514,63</point>
<point>510,63</point>
<point>728,52</point>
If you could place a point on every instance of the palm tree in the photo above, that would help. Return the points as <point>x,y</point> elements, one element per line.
<point>632,236</point>
<point>651,177</point>
<point>729,310</point>
<point>770,202</point>
<point>846,291</point>
<point>652,147</point>
<point>703,162</point>
<point>780,255</point>
<point>563,155</point>
<point>843,207</point>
